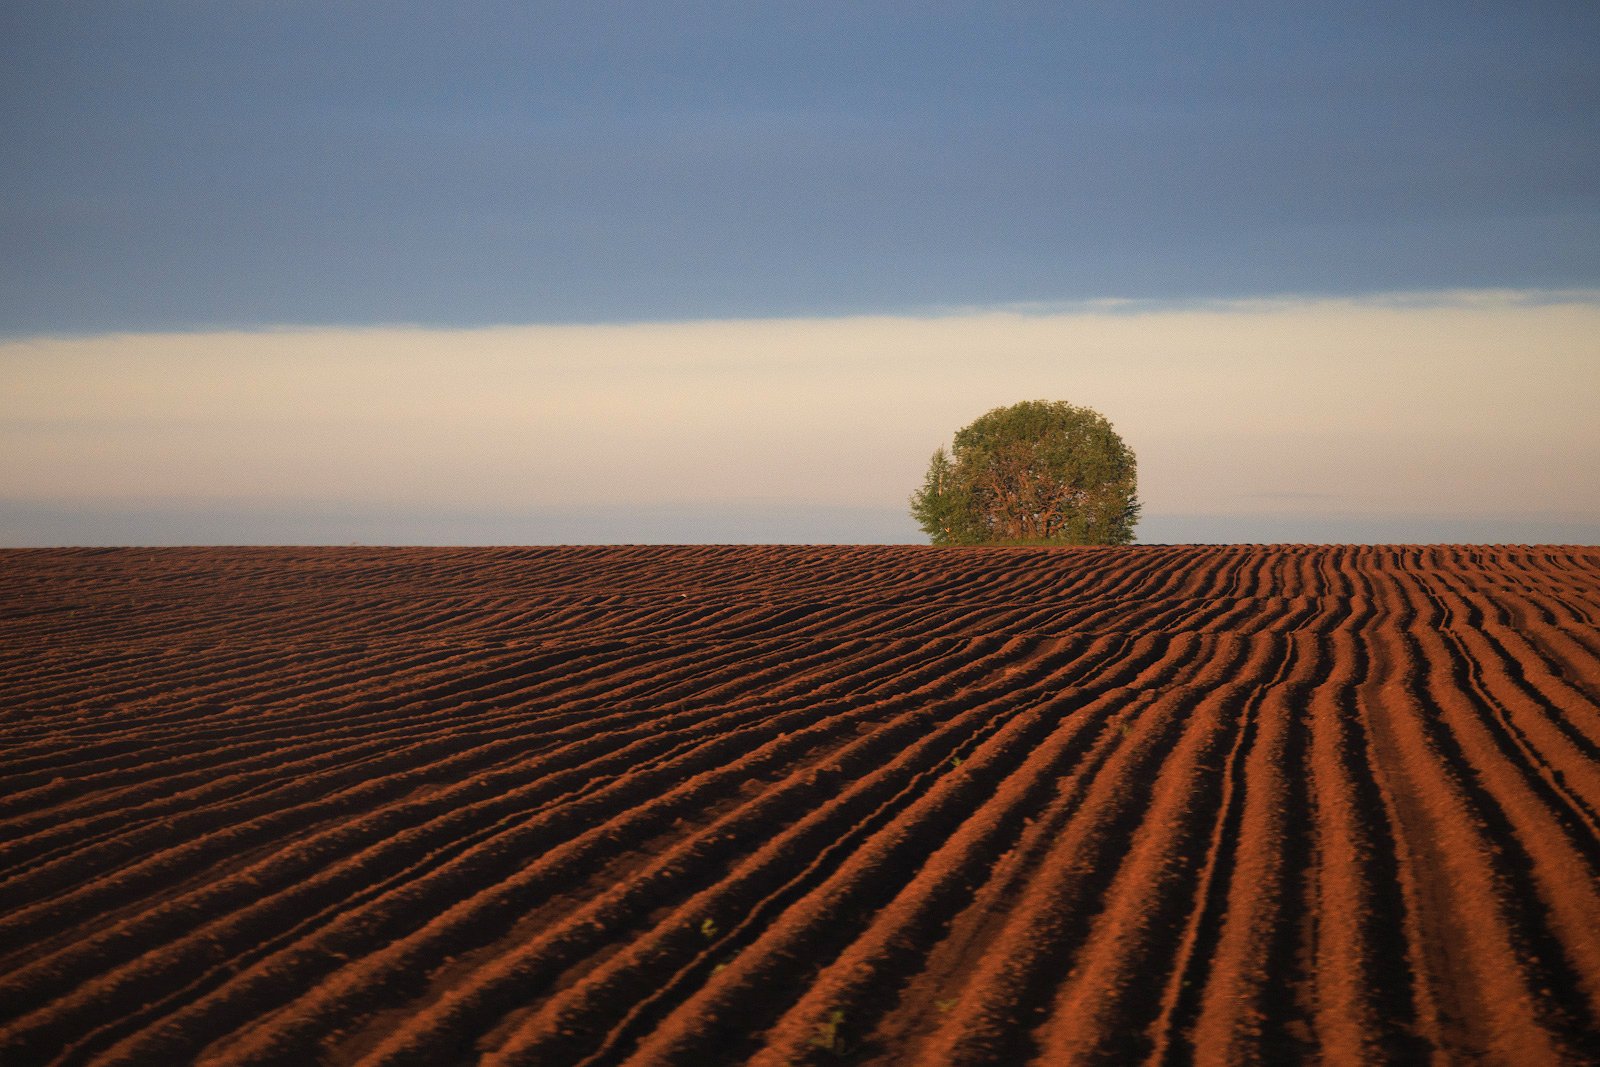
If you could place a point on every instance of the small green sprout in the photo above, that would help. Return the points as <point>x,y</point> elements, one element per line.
<point>708,928</point>
<point>828,1037</point>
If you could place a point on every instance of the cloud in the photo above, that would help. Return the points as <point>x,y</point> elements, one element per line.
<point>1459,404</point>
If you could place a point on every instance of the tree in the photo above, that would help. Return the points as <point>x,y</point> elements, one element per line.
<point>1038,472</point>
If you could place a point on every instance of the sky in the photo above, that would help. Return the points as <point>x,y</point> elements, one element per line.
<point>588,272</point>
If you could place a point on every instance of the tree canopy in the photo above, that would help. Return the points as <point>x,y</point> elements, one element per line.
<point>1038,472</point>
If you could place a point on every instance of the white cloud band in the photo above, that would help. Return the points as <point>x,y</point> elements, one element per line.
<point>1450,404</point>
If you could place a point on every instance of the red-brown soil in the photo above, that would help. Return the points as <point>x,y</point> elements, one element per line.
<point>800,805</point>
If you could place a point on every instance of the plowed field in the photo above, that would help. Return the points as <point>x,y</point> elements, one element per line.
<point>800,805</point>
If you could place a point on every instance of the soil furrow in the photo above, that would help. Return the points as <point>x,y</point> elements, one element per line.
<point>800,804</point>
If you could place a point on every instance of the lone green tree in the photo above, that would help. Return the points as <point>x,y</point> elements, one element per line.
<point>1038,472</point>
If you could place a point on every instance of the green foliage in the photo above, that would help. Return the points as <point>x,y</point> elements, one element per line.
<point>828,1036</point>
<point>944,507</point>
<point>1038,472</point>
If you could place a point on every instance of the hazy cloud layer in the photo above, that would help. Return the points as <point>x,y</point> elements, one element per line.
<point>1265,420</point>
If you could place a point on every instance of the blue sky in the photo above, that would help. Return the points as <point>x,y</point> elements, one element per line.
<point>174,166</point>
<point>183,168</point>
